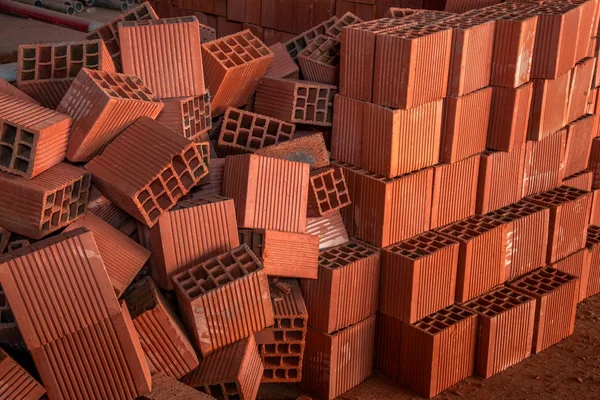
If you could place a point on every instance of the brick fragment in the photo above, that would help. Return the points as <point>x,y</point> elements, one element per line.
<point>283,65</point>
<point>330,229</point>
<point>509,117</point>
<point>285,254</point>
<point>310,149</point>
<point>283,357</point>
<point>544,169</point>
<point>581,180</point>
<point>50,201</point>
<point>593,246</point>
<point>32,138</point>
<point>102,104</point>
<point>338,267</point>
<point>7,88</point>
<point>503,313</point>
<point>165,387</point>
<point>46,71</point>
<point>163,340</point>
<point>15,381</point>
<point>296,101</point>
<point>188,116</point>
<point>191,232</point>
<point>578,264</point>
<point>580,87</point>
<point>320,60</point>
<point>246,132</point>
<point>167,166</point>
<point>438,351</point>
<point>325,373</point>
<point>269,193</point>
<point>233,372</point>
<point>500,179</point>
<point>109,32</point>
<point>556,294</point>
<point>569,211</point>
<point>174,68</point>
<point>233,65</point>
<point>549,106</point>
<point>201,291</point>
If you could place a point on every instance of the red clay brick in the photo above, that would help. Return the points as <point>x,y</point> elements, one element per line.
<point>299,42</point>
<point>50,201</point>
<point>310,149</point>
<point>320,60</point>
<point>283,65</point>
<point>556,294</point>
<point>15,381</point>
<point>500,179</point>
<point>327,192</point>
<point>578,264</point>
<point>549,106</point>
<point>167,166</point>
<point>387,345</point>
<point>4,239</point>
<point>207,33</point>
<point>544,169</point>
<point>102,208</point>
<point>580,87</point>
<point>7,88</point>
<point>32,138</point>
<point>509,117</point>
<point>581,180</point>
<point>330,229</point>
<point>165,387</point>
<point>188,116</point>
<point>579,144</point>
<point>461,6</point>
<point>593,246</point>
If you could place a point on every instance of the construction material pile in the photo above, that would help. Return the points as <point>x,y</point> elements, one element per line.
<point>184,217</point>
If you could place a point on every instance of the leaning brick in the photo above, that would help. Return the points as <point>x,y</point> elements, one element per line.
<point>46,71</point>
<point>207,34</point>
<point>102,208</point>
<point>191,232</point>
<point>50,201</point>
<point>413,269</point>
<point>165,387</point>
<point>269,193</point>
<point>283,66</point>
<point>32,138</point>
<point>579,144</point>
<point>330,229</point>
<point>556,294</point>
<point>544,163</point>
<point>581,180</point>
<point>167,166</point>
<point>503,313</point>
<point>325,373</point>
<point>163,340</point>
<point>347,19</point>
<point>349,279</point>
<point>214,187</point>
<point>297,43</point>
<point>569,213</point>
<point>247,132</point>
<point>233,372</point>
<point>579,88</point>
<point>165,53</point>
<point>579,264</point>
<point>188,116</point>
<point>109,32</point>
<point>7,88</point>
<point>102,104</point>
<point>123,258</point>
<point>233,65</point>
<point>549,106</point>
<point>500,179</point>
<point>509,117</point>
<point>327,192</point>
<point>15,381</point>
<point>320,60</point>
<point>438,351</point>
<point>296,101</point>
<point>204,291</point>
<point>310,149</point>
<point>282,358</point>
<point>593,247</point>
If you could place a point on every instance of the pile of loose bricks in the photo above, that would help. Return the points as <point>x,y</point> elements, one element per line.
<point>183,217</point>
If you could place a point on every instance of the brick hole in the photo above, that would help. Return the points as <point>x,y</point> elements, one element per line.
<point>295,348</point>
<point>6,153</point>
<point>7,317</point>
<point>292,373</point>
<point>298,323</point>
<point>9,134</point>
<point>24,151</point>
<point>243,136</point>
<point>21,165</point>
<point>293,335</point>
<point>268,374</point>
<point>187,285</point>
<point>230,388</point>
<point>299,114</point>
<point>216,391</point>
<point>271,361</point>
<point>268,140</point>
<point>278,336</point>
<point>235,271</point>
<point>280,373</point>
<point>291,361</point>
<point>269,348</point>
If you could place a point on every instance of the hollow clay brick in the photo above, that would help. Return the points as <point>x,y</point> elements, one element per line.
<point>342,270</point>
<point>544,169</point>
<point>466,121</point>
<point>46,71</point>
<point>207,34</point>
<point>165,387</point>
<point>32,138</point>
<point>299,42</point>
<point>233,372</point>
<point>595,208</point>
<point>593,247</point>
<point>188,116</point>
<point>163,340</point>
<point>7,88</point>
<point>580,87</point>
<point>384,211</point>
<point>15,381</point>
<point>102,104</point>
<point>556,294</point>
<point>581,180</point>
<point>204,291</point>
<point>327,192</point>
<point>283,66</point>
<point>579,144</point>
<point>412,271</point>
<point>462,6</point>
<point>109,32</point>
<point>388,335</point>
<point>296,101</point>
<point>400,12</point>
<point>214,187</point>
<point>569,211</point>
<point>438,351</point>
<point>320,60</point>
<point>191,232</point>
<point>50,201</point>
<point>123,258</point>
<point>454,191</point>
<point>481,257</point>
<point>246,132</point>
<point>346,19</point>
<point>167,165</point>
<point>578,264</point>
<point>500,179</point>
<point>549,106</point>
<point>503,313</point>
<point>17,244</point>
<point>282,357</point>
<point>509,117</point>
<point>285,254</point>
<point>386,141</point>
<point>233,65</point>
<point>326,372</point>
<point>330,229</point>
<point>310,149</point>
<point>102,208</point>
<point>268,193</point>
<point>165,53</point>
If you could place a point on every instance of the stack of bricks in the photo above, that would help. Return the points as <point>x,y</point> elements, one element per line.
<point>414,190</point>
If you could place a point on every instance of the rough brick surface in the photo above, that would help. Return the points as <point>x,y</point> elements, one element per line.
<point>165,387</point>
<point>579,144</point>
<point>310,149</point>
<point>581,180</point>
<point>7,88</point>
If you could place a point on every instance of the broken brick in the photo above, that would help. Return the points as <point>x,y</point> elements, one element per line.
<point>310,149</point>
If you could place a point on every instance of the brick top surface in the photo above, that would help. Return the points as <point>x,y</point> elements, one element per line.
<point>497,301</point>
<point>345,254</point>
<point>543,281</point>
<point>515,211</point>
<point>421,246</point>
<point>558,196</point>
<point>443,319</point>
<point>162,21</point>
<point>471,227</point>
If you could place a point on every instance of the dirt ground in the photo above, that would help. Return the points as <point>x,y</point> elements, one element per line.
<point>568,370</point>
